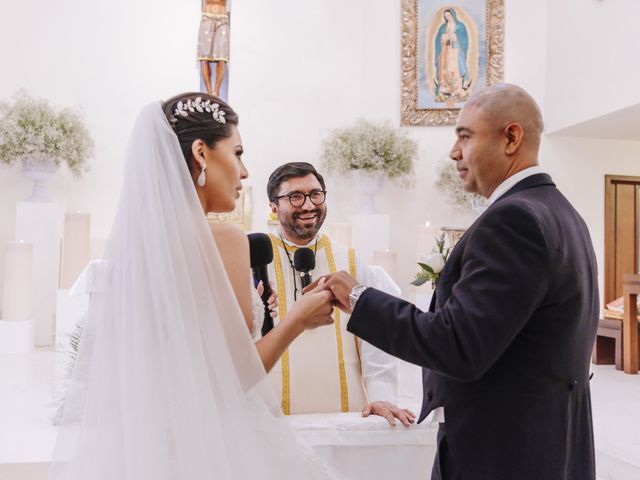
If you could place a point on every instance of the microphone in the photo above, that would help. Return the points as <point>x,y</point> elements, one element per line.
<point>304,260</point>
<point>261,254</point>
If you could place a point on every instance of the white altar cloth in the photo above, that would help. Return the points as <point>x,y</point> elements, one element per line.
<point>369,448</point>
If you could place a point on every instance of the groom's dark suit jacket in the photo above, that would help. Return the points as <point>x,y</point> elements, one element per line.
<point>506,346</point>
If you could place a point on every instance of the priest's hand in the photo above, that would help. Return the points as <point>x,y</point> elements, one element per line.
<point>390,412</point>
<point>340,284</point>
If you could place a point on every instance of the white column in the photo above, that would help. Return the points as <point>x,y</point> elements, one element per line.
<point>37,223</point>
<point>370,232</point>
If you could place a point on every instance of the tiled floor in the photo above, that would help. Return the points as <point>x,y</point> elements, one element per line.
<point>27,436</point>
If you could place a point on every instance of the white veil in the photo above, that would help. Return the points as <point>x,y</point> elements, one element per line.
<point>167,383</point>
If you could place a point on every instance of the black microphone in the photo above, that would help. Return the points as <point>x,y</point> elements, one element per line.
<point>304,260</point>
<point>261,254</point>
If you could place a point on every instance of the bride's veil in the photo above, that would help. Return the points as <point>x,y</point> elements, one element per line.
<point>167,383</point>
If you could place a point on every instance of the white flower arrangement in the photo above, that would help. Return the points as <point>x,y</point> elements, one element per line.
<point>449,184</point>
<point>31,129</point>
<point>370,147</point>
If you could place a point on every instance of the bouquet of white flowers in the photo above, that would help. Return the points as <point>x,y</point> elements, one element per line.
<point>31,130</point>
<point>431,265</point>
<point>370,147</point>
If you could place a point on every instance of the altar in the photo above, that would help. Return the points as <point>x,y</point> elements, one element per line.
<point>361,448</point>
<point>369,448</point>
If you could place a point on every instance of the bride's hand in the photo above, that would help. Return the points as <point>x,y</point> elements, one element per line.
<point>273,298</point>
<point>313,309</point>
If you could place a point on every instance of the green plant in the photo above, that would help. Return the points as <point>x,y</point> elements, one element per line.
<point>371,147</point>
<point>431,265</point>
<point>31,128</point>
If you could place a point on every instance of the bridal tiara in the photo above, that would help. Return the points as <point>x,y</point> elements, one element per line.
<point>193,105</point>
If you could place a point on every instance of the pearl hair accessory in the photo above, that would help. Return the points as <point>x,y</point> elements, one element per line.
<point>193,105</point>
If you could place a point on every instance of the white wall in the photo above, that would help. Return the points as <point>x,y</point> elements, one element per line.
<point>299,68</point>
<point>592,61</point>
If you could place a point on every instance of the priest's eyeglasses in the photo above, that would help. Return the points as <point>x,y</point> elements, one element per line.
<point>297,199</point>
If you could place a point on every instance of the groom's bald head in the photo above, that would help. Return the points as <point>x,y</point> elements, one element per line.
<point>504,104</point>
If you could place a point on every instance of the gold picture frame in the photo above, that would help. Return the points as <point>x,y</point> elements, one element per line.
<point>449,50</point>
<point>240,216</point>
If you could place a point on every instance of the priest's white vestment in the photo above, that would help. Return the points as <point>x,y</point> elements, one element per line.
<point>328,370</point>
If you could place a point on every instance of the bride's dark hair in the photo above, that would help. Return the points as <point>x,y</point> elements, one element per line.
<point>198,125</point>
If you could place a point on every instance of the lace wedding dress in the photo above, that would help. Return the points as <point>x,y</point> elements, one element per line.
<point>168,383</point>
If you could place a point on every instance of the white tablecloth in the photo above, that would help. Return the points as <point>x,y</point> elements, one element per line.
<point>369,448</point>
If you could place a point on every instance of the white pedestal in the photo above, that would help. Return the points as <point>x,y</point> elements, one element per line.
<point>37,223</point>
<point>69,311</point>
<point>16,337</point>
<point>370,232</point>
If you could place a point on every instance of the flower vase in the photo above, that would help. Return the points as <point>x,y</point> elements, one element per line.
<point>38,169</point>
<point>366,186</point>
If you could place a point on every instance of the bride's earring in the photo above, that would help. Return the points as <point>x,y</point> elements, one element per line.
<point>202,178</point>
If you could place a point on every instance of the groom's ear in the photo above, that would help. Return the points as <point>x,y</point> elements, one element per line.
<point>274,208</point>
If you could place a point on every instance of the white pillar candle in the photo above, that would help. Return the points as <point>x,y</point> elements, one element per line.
<point>16,298</point>
<point>387,260</point>
<point>340,232</point>
<point>76,246</point>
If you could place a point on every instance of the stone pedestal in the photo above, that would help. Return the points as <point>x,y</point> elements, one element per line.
<point>37,223</point>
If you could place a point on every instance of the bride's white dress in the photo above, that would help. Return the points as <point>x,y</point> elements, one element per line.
<point>257,310</point>
<point>167,379</point>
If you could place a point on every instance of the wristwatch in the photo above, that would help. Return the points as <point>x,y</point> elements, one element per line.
<point>354,295</point>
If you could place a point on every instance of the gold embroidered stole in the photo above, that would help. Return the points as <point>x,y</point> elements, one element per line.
<point>325,243</point>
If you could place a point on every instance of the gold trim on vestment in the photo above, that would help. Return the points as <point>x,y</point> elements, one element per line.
<point>344,391</point>
<point>323,242</point>
<point>354,274</point>
<point>282,311</point>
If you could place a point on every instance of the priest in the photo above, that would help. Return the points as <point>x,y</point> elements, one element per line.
<point>326,370</point>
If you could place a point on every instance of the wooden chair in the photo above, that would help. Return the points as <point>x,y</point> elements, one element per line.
<point>630,291</point>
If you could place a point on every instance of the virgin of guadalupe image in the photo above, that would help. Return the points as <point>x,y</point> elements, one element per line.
<point>452,79</point>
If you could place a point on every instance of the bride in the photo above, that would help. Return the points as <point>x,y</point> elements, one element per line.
<point>168,383</point>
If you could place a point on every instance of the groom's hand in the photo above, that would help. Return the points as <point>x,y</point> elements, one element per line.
<point>340,284</point>
<point>390,412</point>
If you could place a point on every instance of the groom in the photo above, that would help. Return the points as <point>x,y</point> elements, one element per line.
<point>506,343</point>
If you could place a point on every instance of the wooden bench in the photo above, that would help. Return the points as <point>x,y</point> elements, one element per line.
<point>630,291</point>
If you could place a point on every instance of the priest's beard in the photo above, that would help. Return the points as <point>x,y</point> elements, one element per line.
<point>294,228</point>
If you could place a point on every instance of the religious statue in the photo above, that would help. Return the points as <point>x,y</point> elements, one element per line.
<point>213,43</point>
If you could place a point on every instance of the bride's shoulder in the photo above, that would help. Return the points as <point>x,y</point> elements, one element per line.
<point>230,236</point>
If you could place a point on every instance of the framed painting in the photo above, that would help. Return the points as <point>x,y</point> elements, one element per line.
<point>450,49</point>
<point>241,215</point>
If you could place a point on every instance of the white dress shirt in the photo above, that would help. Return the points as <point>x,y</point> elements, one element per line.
<point>505,186</point>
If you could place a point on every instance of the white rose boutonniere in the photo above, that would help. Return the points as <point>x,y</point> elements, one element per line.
<point>431,265</point>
